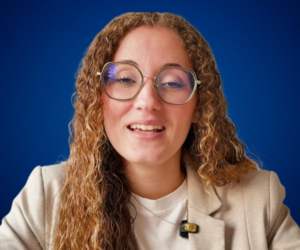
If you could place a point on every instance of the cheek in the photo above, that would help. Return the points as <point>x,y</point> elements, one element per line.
<point>183,115</point>
<point>109,112</point>
<point>113,112</point>
<point>181,123</point>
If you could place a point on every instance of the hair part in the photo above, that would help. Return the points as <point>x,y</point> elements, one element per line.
<point>93,210</point>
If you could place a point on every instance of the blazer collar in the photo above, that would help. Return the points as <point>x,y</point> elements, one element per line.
<point>205,201</point>
<point>201,204</point>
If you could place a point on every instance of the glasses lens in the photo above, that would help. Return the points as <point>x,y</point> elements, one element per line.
<point>175,85</point>
<point>121,81</point>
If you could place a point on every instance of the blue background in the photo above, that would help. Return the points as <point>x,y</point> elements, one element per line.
<point>256,46</point>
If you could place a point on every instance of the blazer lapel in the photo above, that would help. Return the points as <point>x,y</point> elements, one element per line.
<point>201,205</point>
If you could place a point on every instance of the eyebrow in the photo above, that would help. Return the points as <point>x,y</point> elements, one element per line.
<point>136,64</point>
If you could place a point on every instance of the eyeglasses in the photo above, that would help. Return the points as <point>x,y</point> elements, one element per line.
<point>123,81</point>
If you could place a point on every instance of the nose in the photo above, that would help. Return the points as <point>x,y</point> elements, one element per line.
<point>148,98</point>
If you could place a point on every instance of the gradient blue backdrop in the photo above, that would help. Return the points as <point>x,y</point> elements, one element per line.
<point>256,46</point>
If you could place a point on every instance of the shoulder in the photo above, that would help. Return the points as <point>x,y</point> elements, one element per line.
<point>40,196</point>
<point>258,187</point>
<point>53,176</point>
<point>41,193</point>
<point>33,211</point>
<point>263,185</point>
<point>42,180</point>
<point>265,212</point>
<point>46,180</point>
<point>260,193</point>
<point>260,178</point>
<point>48,174</point>
<point>262,189</point>
<point>259,183</point>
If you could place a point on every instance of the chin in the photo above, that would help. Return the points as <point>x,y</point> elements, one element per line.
<point>150,160</point>
<point>151,157</point>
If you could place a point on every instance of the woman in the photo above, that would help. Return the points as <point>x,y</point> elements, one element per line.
<point>154,162</point>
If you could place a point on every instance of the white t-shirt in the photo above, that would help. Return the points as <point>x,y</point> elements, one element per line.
<point>152,232</point>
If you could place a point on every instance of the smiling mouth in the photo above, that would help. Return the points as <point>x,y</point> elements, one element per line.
<point>146,129</point>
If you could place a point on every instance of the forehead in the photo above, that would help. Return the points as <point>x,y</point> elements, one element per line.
<point>153,46</point>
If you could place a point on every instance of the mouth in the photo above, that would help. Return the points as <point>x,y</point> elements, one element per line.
<point>146,129</point>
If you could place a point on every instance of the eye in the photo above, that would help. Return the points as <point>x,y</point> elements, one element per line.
<point>121,80</point>
<point>124,80</point>
<point>172,85</point>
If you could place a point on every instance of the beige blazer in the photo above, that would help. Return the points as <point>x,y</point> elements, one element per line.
<point>240,216</point>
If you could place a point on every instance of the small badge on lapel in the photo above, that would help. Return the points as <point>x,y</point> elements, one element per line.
<point>186,228</point>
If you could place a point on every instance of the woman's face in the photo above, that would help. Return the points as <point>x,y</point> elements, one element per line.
<point>151,49</point>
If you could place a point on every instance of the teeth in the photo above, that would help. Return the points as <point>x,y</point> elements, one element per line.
<point>146,127</point>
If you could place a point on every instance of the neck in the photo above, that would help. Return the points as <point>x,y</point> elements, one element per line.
<point>155,181</point>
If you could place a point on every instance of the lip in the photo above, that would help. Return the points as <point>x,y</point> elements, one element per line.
<point>147,122</point>
<point>145,136</point>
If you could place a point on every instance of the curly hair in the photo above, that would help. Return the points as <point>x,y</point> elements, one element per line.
<point>93,211</point>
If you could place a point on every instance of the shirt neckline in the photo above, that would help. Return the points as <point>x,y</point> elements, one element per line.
<point>165,202</point>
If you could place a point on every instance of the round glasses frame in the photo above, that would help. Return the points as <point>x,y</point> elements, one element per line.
<point>142,83</point>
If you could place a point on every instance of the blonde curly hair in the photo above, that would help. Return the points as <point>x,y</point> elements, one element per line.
<point>93,209</point>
